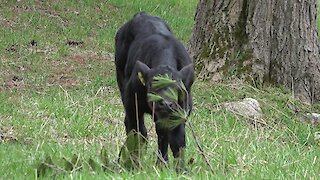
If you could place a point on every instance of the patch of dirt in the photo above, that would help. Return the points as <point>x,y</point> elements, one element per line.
<point>15,82</point>
<point>78,58</point>
<point>23,67</point>
<point>64,81</point>
<point>12,48</point>
<point>8,23</point>
<point>56,63</point>
<point>63,70</point>
<point>64,78</point>
<point>7,134</point>
<point>87,56</point>
<point>33,43</point>
<point>75,43</point>
<point>112,7</point>
<point>47,50</point>
<point>21,8</point>
<point>98,9</point>
<point>50,12</point>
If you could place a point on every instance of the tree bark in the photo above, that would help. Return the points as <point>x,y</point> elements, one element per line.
<point>266,41</point>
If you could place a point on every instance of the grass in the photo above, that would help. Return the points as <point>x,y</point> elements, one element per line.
<point>59,98</point>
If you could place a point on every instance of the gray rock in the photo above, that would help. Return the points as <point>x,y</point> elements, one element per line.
<point>248,107</point>
<point>312,118</point>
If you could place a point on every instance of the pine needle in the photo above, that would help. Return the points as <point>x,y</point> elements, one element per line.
<point>177,118</point>
<point>162,81</point>
<point>171,94</point>
<point>154,97</point>
<point>183,87</point>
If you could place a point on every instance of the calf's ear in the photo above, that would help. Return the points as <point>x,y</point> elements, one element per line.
<point>142,70</point>
<point>187,75</point>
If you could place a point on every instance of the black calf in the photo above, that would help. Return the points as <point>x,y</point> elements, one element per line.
<point>145,49</point>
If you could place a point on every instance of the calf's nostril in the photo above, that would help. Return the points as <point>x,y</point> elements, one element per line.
<point>167,104</point>
<point>162,103</point>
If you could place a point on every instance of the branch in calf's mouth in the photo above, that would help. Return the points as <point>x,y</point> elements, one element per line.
<point>178,115</point>
<point>177,118</point>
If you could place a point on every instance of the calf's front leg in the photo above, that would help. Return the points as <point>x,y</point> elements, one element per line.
<point>177,143</point>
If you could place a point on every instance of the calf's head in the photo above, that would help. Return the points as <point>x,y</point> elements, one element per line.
<point>167,88</point>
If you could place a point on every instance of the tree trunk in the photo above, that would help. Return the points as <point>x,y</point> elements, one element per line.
<point>273,41</point>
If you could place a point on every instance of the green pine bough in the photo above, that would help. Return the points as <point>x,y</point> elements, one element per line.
<point>162,81</point>
<point>179,115</point>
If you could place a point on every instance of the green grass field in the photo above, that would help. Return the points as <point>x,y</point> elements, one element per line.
<point>59,99</point>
